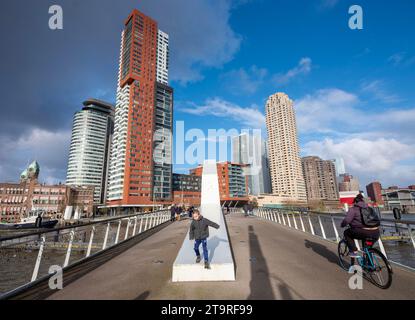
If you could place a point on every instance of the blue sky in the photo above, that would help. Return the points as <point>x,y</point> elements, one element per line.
<point>353,89</point>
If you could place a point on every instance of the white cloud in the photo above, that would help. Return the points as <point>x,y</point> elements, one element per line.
<point>304,67</point>
<point>375,145</point>
<point>248,116</point>
<point>49,148</point>
<point>401,58</point>
<point>244,81</point>
<point>369,159</point>
<point>326,110</point>
<point>376,88</point>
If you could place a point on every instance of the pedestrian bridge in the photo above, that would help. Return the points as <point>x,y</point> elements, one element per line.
<point>276,257</point>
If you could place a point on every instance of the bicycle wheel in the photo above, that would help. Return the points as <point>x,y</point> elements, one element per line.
<point>379,269</point>
<point>343,251</point>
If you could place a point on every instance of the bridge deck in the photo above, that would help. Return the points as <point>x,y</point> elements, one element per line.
<point>273,262</point>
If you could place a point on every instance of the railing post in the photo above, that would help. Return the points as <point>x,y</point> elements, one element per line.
<point>127,229</point>
<point>91,240</point>
<point>411,235</point>
<point>321,226</point>
<point>295,222</point>
<point>141,225</point>
<point>311,225</point>
<point>145,226</point>
<point>335,229</point>
<point>68,252</point>
<point>118,231</point>
<point>283,219</point>
<point>104,245</point>
<point>135,225</point>
<point>382,248</point>
<point>302,223</point>
<point>39,259</point>
<point>288,218</point>
<point>279,217</point>
<point>274,217</point>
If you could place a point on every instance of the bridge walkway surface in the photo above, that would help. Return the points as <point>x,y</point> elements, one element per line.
<point>272,262</point>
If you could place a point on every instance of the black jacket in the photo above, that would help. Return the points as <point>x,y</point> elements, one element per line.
<point>199,229</point>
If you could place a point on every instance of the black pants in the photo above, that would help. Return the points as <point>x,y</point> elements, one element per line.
<point>172,217</point>
<point>359,234</point>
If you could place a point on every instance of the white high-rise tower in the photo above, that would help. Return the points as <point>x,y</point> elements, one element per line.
<point>287,178</point>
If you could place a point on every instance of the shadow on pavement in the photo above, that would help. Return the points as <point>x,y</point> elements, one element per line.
<point>143,296</point>
<point>260,284</point>
<point>322,251</point>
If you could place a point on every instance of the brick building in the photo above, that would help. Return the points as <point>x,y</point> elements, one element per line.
<point>18,199</point>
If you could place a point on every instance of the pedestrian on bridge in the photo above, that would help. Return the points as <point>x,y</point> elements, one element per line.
<point>173,212</point>
<point>199,231</point>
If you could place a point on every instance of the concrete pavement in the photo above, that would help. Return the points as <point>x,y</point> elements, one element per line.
<point>272,262</point>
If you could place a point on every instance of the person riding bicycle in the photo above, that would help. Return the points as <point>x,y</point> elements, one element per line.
<point>357,229</point>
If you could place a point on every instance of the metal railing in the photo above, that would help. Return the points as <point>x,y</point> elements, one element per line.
<point>66,245</point>
<point>327,226</point>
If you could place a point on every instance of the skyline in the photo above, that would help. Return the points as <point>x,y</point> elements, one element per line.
<point>229,90</point>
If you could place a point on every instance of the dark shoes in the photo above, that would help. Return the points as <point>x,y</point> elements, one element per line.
<point>198,259</point>
<point>207,266</point>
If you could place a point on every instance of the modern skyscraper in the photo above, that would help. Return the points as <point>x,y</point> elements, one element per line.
<point>320,179</point>
<point>340,167</point>
<point>89,150</point>
<point>141,152</point>
<point>284,153</point>
<point>252,151</point>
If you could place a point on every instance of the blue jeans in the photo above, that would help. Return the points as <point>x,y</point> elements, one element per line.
<point>205,250</point>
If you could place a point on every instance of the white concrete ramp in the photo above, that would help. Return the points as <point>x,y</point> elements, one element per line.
<point>220,256</point>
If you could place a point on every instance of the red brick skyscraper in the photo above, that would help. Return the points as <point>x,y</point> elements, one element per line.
<point>144,106</point>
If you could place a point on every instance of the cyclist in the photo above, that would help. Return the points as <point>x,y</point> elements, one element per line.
<point>357,229</point>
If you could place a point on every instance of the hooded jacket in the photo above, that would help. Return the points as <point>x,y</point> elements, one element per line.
<point>353,217</point>
<point>199,229</point>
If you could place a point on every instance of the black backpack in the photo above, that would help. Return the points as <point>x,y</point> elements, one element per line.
<point>370,217</point>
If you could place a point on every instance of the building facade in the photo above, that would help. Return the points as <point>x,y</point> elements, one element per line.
<point>187,189</point>
<point>233,184</point>
<point>348,183</point>
<point>320,179</point>
<point>18,199</point>
<point>374,192</point>
<point>287,178</point>
<point>401,198</point>
<point>251,150</point>
<point>143,118</point>
<point>88,154</point>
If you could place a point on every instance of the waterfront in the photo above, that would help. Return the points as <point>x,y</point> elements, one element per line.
<point>18,261</point>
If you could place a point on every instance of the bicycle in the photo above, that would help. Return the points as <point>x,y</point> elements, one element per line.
<point>375,266</point>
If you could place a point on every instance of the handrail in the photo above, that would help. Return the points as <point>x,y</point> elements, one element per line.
<point>46,231</point>
<point>271,214</point>
<point>336,214</point>
<point>39,238</point>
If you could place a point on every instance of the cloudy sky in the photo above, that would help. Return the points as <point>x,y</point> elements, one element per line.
<point>353,89</point>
